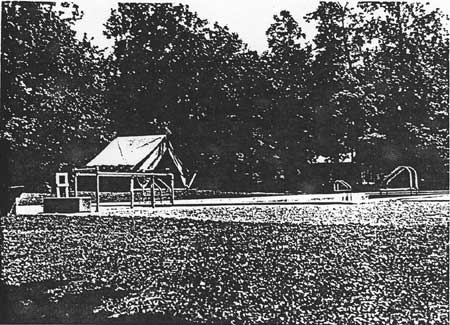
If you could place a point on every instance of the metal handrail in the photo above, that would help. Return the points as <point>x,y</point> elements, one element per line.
<point>338,182</point>
<point>413,177</point>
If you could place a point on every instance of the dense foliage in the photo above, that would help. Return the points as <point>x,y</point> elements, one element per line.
<point>53,110</point>
<point>373,82</point>
<point>378,263</point>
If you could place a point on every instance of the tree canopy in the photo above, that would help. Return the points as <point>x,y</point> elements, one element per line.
<point>53,110</point>
<point>373,83</point>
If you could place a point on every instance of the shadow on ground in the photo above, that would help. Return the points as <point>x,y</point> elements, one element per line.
<point>30,304</point>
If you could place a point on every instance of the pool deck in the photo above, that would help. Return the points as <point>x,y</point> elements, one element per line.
<point>298,199</point>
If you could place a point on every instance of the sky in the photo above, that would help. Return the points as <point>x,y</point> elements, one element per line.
<point>248,18</point>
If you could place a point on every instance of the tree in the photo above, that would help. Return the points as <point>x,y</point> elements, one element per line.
<point>288,63</point>
<point>408,65</point>
<point>374,82</point>
<point>339,95</point>
<point>174,70</point>
<point>53,110</point>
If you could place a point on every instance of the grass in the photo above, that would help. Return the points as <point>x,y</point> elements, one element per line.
<point>380,263</point>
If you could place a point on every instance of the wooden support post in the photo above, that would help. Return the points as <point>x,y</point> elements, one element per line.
<point>132,191</point>
<point>97,189</point>
<point>75,187</point>
<point>153,191</point>
<point>172,189</point>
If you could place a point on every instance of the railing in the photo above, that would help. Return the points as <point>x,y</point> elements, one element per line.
<point>413,180</point>
<point>340,185</point>
<point>148,177</point>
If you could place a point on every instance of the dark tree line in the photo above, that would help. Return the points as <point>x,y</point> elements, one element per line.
<point>373,83</point>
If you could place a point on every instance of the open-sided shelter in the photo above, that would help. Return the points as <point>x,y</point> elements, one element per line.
<point>148,153</point>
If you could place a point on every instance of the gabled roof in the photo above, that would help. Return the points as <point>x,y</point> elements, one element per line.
<point>127,151</point>
<point>139,153</point>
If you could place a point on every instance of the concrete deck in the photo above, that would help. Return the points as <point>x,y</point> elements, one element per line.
<point>314,199</point>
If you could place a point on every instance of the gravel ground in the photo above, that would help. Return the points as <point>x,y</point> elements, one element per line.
<point>384,262</point>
